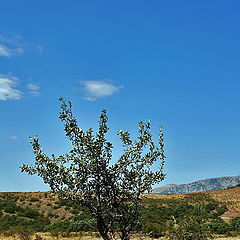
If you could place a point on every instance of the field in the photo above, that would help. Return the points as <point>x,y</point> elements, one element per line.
<point>41,210</point>
<point>47,236</point>
<point>90,236</point>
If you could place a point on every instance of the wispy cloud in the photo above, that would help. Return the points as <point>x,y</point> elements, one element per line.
<point>12,44</point>
<point>8,90</point>
<point>8,52</point>
<point>98,89</point>
<point>14,137</point>
<point>4,51</point>
<point>34,89</point>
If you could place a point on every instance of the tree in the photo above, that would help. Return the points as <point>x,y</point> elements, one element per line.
<point>86,175</point>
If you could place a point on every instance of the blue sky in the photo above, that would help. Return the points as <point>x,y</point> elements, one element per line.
<point>174,62</point>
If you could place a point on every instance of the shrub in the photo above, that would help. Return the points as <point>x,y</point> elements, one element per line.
<point>87,225</point>
<point>52,215</point>
<point>30,213</point>
<point>153,229</point>
<point>235,224</point>
<point>221,210</point>
<point>61,226</point>
<point>191,228</point>
<point>218,226</point>
<point>9,206</point>
<point>34,199</point>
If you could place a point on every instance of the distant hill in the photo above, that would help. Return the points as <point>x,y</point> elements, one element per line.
<point>204,185</point>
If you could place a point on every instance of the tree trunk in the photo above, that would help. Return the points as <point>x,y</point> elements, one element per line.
<point>125,236</point>
<point>102,229</point>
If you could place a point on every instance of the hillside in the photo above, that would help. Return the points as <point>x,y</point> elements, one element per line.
<point>42,202</point>
<point>230,197</point>
<point>43,212</point>
<point>204,185</point>
<point>49,205</point>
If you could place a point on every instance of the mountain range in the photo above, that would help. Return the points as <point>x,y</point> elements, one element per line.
<point>204,185</point>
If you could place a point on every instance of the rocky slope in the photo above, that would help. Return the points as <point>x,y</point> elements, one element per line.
<point>204,185</point>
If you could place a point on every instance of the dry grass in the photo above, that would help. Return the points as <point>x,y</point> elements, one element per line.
<point>231,197</point>
<point>47,236</point>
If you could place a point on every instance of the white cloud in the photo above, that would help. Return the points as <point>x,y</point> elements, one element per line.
<point>7,52</point>
<point>10,38</point>
<point>4,51</point>
<point>98,89</point>
<point>8,89</point>
<point>34,89</point>
<point>12,44</point>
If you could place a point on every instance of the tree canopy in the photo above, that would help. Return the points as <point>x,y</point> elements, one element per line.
<point>86,175</point>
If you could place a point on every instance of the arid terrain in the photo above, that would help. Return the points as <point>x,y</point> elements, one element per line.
<point>50,207</point>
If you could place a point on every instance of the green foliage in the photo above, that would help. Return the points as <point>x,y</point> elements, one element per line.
<point>87,225</point>
<point>9,206</point>
<point>61,226</point>
<point>153,229</point>
<point>23,217</point>
<point>14,221</point>
<point>191,228</point>
<point>235,224</point>
<point>29,213</point>
<point>157,213</point>
<point>34,199</point>
<point>86,176</point>
<point>218,226</point>
<point>52,215</point>
<point>221,210</point>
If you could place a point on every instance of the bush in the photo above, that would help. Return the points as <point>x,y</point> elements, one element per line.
<point>9,206</point>
<point>12,221</point>
<point>235,224</point>
<point>153,229</point>
<point>191,228</point>
<point>56,207</point>
<point>221,210</point>
<point>52,215</point>
<point>61,226</point>
<point>29,213</point>
<point>87,225</point>
<point>34,199</point>
<point>218,226</point>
